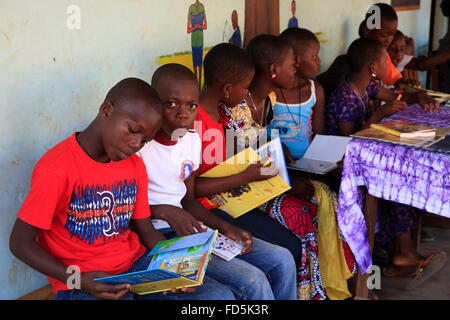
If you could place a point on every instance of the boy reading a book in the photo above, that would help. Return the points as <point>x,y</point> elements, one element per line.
<point>173,160</point>
<point>86,192</point>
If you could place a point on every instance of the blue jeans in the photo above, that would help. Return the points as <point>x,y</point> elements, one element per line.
<point>268,272</point>
<point>210,290</point>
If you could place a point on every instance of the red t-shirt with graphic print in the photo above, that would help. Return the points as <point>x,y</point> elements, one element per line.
<point>84,207</point>
<point>212,135</point>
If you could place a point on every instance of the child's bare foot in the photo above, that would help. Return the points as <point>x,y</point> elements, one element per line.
<point>411,259</point>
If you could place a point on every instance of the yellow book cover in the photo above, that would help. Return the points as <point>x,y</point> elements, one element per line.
<point>405,129</point>
<point>241,200</point>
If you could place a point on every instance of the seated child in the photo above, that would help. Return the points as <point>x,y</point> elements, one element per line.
<point>348,112</point>
<point>298,216</point>
<point>299,113</point>
<point>172,160</point>
<point>228,74</point>
<point>402,61</point>
<point>340,67</point>
<point>85,194</point>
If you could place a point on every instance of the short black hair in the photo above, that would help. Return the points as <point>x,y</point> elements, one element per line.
<point>267,49</point>
<point>169,72</point>
<point>298,38</point>
<point>363,51</point>
<point>445,7</point>
<point>226,63</point>
<point>398,34</point>
<point>130,90</point>
<point>387,13</point>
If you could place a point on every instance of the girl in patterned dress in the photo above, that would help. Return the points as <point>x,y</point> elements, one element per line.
<point>348,112</point>
<point>294,210</point>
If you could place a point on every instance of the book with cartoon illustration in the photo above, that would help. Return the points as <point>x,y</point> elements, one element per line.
<point>405,129</point>
<point>176,263</point>
<point>225,247</point>
<point>239,201</point>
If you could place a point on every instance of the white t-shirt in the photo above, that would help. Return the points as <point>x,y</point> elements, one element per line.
<point>168,166</point>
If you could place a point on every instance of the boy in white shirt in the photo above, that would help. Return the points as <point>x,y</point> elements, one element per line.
<point>171,161</point>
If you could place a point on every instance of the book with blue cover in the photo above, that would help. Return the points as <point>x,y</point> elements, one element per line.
<point>176,263</point>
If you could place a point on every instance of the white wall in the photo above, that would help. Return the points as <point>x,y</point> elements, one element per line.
<point>53,79</point>
<point>339,21</point>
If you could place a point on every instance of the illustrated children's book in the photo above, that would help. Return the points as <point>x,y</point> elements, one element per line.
<point>176,263</point>
<point>322,155</point>
<point>405,129</point>
<point>274,150</point>
<point>239,201</point>
<point>419,142</point>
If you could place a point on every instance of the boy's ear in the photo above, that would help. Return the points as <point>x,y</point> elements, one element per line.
<point>227,88</point>
<point>105,109</point>
<point>274,69</point>
<point>373,68</point>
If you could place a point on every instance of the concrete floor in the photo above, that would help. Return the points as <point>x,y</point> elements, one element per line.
<point>435,288</point>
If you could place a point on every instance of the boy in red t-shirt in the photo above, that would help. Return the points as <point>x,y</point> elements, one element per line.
<point>86,192</point>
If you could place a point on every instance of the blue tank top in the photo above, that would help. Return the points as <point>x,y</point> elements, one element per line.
<point>294,122</point>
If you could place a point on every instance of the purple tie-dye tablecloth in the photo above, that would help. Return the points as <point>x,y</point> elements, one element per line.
<point>407,175</point>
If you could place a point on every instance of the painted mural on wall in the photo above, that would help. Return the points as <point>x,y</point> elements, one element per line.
<point>236,37</point>
<point>293,22</point>
<point>195,27</point>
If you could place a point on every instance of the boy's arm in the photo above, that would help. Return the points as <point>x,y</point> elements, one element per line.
<point>179,219</point>
<point>205,187</point>
<point>24,246</point>
<point>195,208</point>
<point>148,235</point>
<point>427,63</point>
<point>319,117</point>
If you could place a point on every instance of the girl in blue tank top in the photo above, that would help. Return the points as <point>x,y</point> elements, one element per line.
<point>294,122</point>
<point>299,112</point>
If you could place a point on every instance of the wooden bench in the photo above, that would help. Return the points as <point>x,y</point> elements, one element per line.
<point>44,293</point>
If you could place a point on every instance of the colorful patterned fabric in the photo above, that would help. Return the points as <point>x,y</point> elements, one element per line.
<point>346,105</point>
<point>297,215</point>
<point>300,217</point>
<point>393,219</point>
<point>412,176</point>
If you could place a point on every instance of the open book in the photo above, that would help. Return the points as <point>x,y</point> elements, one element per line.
<point>239,201</point>
<point>322,155</point>
<point>441,97</point>
<point>405,129</point>
<point>177,263</point>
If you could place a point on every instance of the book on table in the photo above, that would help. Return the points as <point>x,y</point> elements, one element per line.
<point>322,155</point>
<point>241,200</point>
<point>419,142</point>
<point>176,263</point>
<point>405,129</point>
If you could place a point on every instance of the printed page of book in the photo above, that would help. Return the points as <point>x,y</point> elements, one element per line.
<point>327,148</point>
<point>274,149</point>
